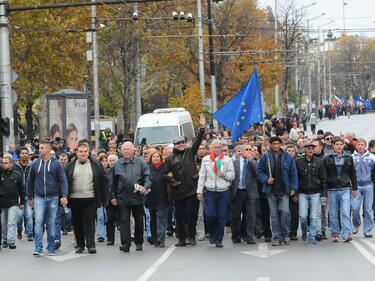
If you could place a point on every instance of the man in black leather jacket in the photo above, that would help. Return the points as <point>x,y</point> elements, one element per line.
<point>312,183</point>
<point>182,175</point>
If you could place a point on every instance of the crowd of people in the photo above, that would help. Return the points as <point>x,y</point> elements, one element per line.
<point>275,180</point>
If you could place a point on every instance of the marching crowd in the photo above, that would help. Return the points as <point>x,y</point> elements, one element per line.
<point>275,180</point>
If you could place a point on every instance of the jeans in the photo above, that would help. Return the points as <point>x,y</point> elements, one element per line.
<point>159,224</point>
<point>323,218</point>
<point>9,224</point>
<point>147,222</point>
<point>309,202</point>
<point>45,207</point>
<point>216,207</point>
<point>279,211</point>
<point>339,200</point>
<point>365,195</point>
<point>100,223</point>
<point>27,214</point>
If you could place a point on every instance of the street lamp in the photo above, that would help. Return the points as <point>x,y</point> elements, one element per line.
<point>344,3</point>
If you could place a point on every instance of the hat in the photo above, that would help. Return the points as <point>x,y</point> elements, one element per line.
<point>309,145</point>
<point>178,139</point>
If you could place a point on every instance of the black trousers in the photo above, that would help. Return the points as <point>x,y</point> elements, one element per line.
<point>112,215</point>
<point>240,202</point>
<point>265,213</point>
<point>294,217</point>
<point>186,213</point>
<point>83,220</point>
<point>124,221</point>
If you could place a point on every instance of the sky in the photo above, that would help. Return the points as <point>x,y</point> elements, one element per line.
<point>359,14</point>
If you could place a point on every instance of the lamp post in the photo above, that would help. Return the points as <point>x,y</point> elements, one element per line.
<point>277,98</point>
<point>344,3</point>
<point>309,61</point>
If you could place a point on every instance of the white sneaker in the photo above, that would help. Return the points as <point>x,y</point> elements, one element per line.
<point>355,229</point>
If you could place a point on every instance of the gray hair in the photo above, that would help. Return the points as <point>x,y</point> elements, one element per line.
<point>127,143</point>
<point>217,141</point>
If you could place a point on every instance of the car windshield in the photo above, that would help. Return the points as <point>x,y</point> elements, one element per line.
<point>156,135</point>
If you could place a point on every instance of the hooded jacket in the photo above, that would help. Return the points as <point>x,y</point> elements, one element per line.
<point>47,178</point>
<point>365,168</point>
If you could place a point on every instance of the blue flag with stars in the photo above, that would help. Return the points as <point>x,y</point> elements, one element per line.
<point>243,110</point>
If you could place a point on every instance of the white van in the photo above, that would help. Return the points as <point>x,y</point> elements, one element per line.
<point>163,125</point>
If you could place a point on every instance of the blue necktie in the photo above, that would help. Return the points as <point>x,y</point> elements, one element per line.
<point>244,174</point>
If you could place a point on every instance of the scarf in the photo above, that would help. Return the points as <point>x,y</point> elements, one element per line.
<point>216,165</point>
<point>157,165</point>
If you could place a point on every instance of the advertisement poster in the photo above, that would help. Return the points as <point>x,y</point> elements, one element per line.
<point>55,118</point>
<point>76,121</point>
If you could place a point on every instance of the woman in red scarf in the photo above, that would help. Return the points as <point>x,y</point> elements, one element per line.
<point>157,199</point>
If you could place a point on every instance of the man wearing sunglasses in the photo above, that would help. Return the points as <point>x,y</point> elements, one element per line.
<point>328,148</point>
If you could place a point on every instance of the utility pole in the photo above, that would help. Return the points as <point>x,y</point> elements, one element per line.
<point>201,52</point>
<point>138,86</point>
<point>5,74</point>
<point>95,75</point>
<point>277,98</point>
<point>212,61</point>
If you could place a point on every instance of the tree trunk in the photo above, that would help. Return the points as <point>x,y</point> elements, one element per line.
<point>29,121</point>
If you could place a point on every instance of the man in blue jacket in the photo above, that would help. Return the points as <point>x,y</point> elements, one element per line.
<point>46,183</point>
<point>277,171</point>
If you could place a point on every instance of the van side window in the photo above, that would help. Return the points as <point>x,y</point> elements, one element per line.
<point>188,130</point>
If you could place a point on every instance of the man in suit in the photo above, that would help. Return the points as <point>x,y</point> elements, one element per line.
<point>244,193</point>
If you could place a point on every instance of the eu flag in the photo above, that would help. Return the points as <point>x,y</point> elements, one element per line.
<point>243,110</point>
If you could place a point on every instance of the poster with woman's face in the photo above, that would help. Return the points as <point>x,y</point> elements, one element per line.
<point>76,121</point>
<point>55,118</point>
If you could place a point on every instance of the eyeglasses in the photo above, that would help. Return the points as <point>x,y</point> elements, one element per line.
<point>328,138</point>
<point>180,142</point>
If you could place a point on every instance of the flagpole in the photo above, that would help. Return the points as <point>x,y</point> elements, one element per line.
<point>268,159</point>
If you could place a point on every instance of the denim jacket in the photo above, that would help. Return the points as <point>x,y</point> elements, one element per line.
<point>288,169</point>
<point>364,167</point>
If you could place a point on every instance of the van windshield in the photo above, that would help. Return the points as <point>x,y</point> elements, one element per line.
<point>156,135</point>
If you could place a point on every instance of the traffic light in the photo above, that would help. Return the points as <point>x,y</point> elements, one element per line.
<point>4,127</point>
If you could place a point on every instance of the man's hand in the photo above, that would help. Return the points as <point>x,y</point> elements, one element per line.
<point>220,173</point>
<point>64,201</point>
<point>142,190</point>
<point>170,174</point>
<point>200,196</point>
<point>22,206</point>
<point>202,121</point>
<point>31,203</point>
<point>114,202</point>
<point>292,192</point>
<point>270,181</point>
<point>354,193</point>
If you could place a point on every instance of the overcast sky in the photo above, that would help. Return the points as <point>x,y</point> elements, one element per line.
<point>359,14</point>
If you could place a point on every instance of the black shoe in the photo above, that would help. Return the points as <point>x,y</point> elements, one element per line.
<point>79,250</point>
<point>293,238</point>
<point>268,239</point>
<point>318,237</point>
<point>12,246</point>
<point>250,242</point>
<point>138,247</point>
<point>57,244</point>
<point>160,244</point>
<point>19,235</point>
<point>91,250</point>
<point>211,241</point>
<point>101,239</point>
<point>368,235</point>
<point>30,238</point>
<point>277,243</point>
<point>110,243</point>
<point>180,243</point>
<point>219,245</point>
<point>259,235</point>
<point>324,236</point>
<point>235,240</point>
<point>150,240</point>
<point>286,241</point>
<point>5,245</point>
<point>125,249</point>
<point>192,241</point>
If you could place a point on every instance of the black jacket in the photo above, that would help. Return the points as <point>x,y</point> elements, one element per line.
<point>184,169</point>
<point>157,199</point>
<point>347,177</point>
<point>24,171</point>
<point>125,175</point>
<point>312,176</point>
<point>252,182</point>
<point>12,189</point>
<point>99,177</point>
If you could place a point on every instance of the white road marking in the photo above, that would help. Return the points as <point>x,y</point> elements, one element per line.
<point>364,252</point>
<point>263,251</point>
<point>263,279</point>
<point>371,245</point>
<point>148,273</point>
<point>69,256</point>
